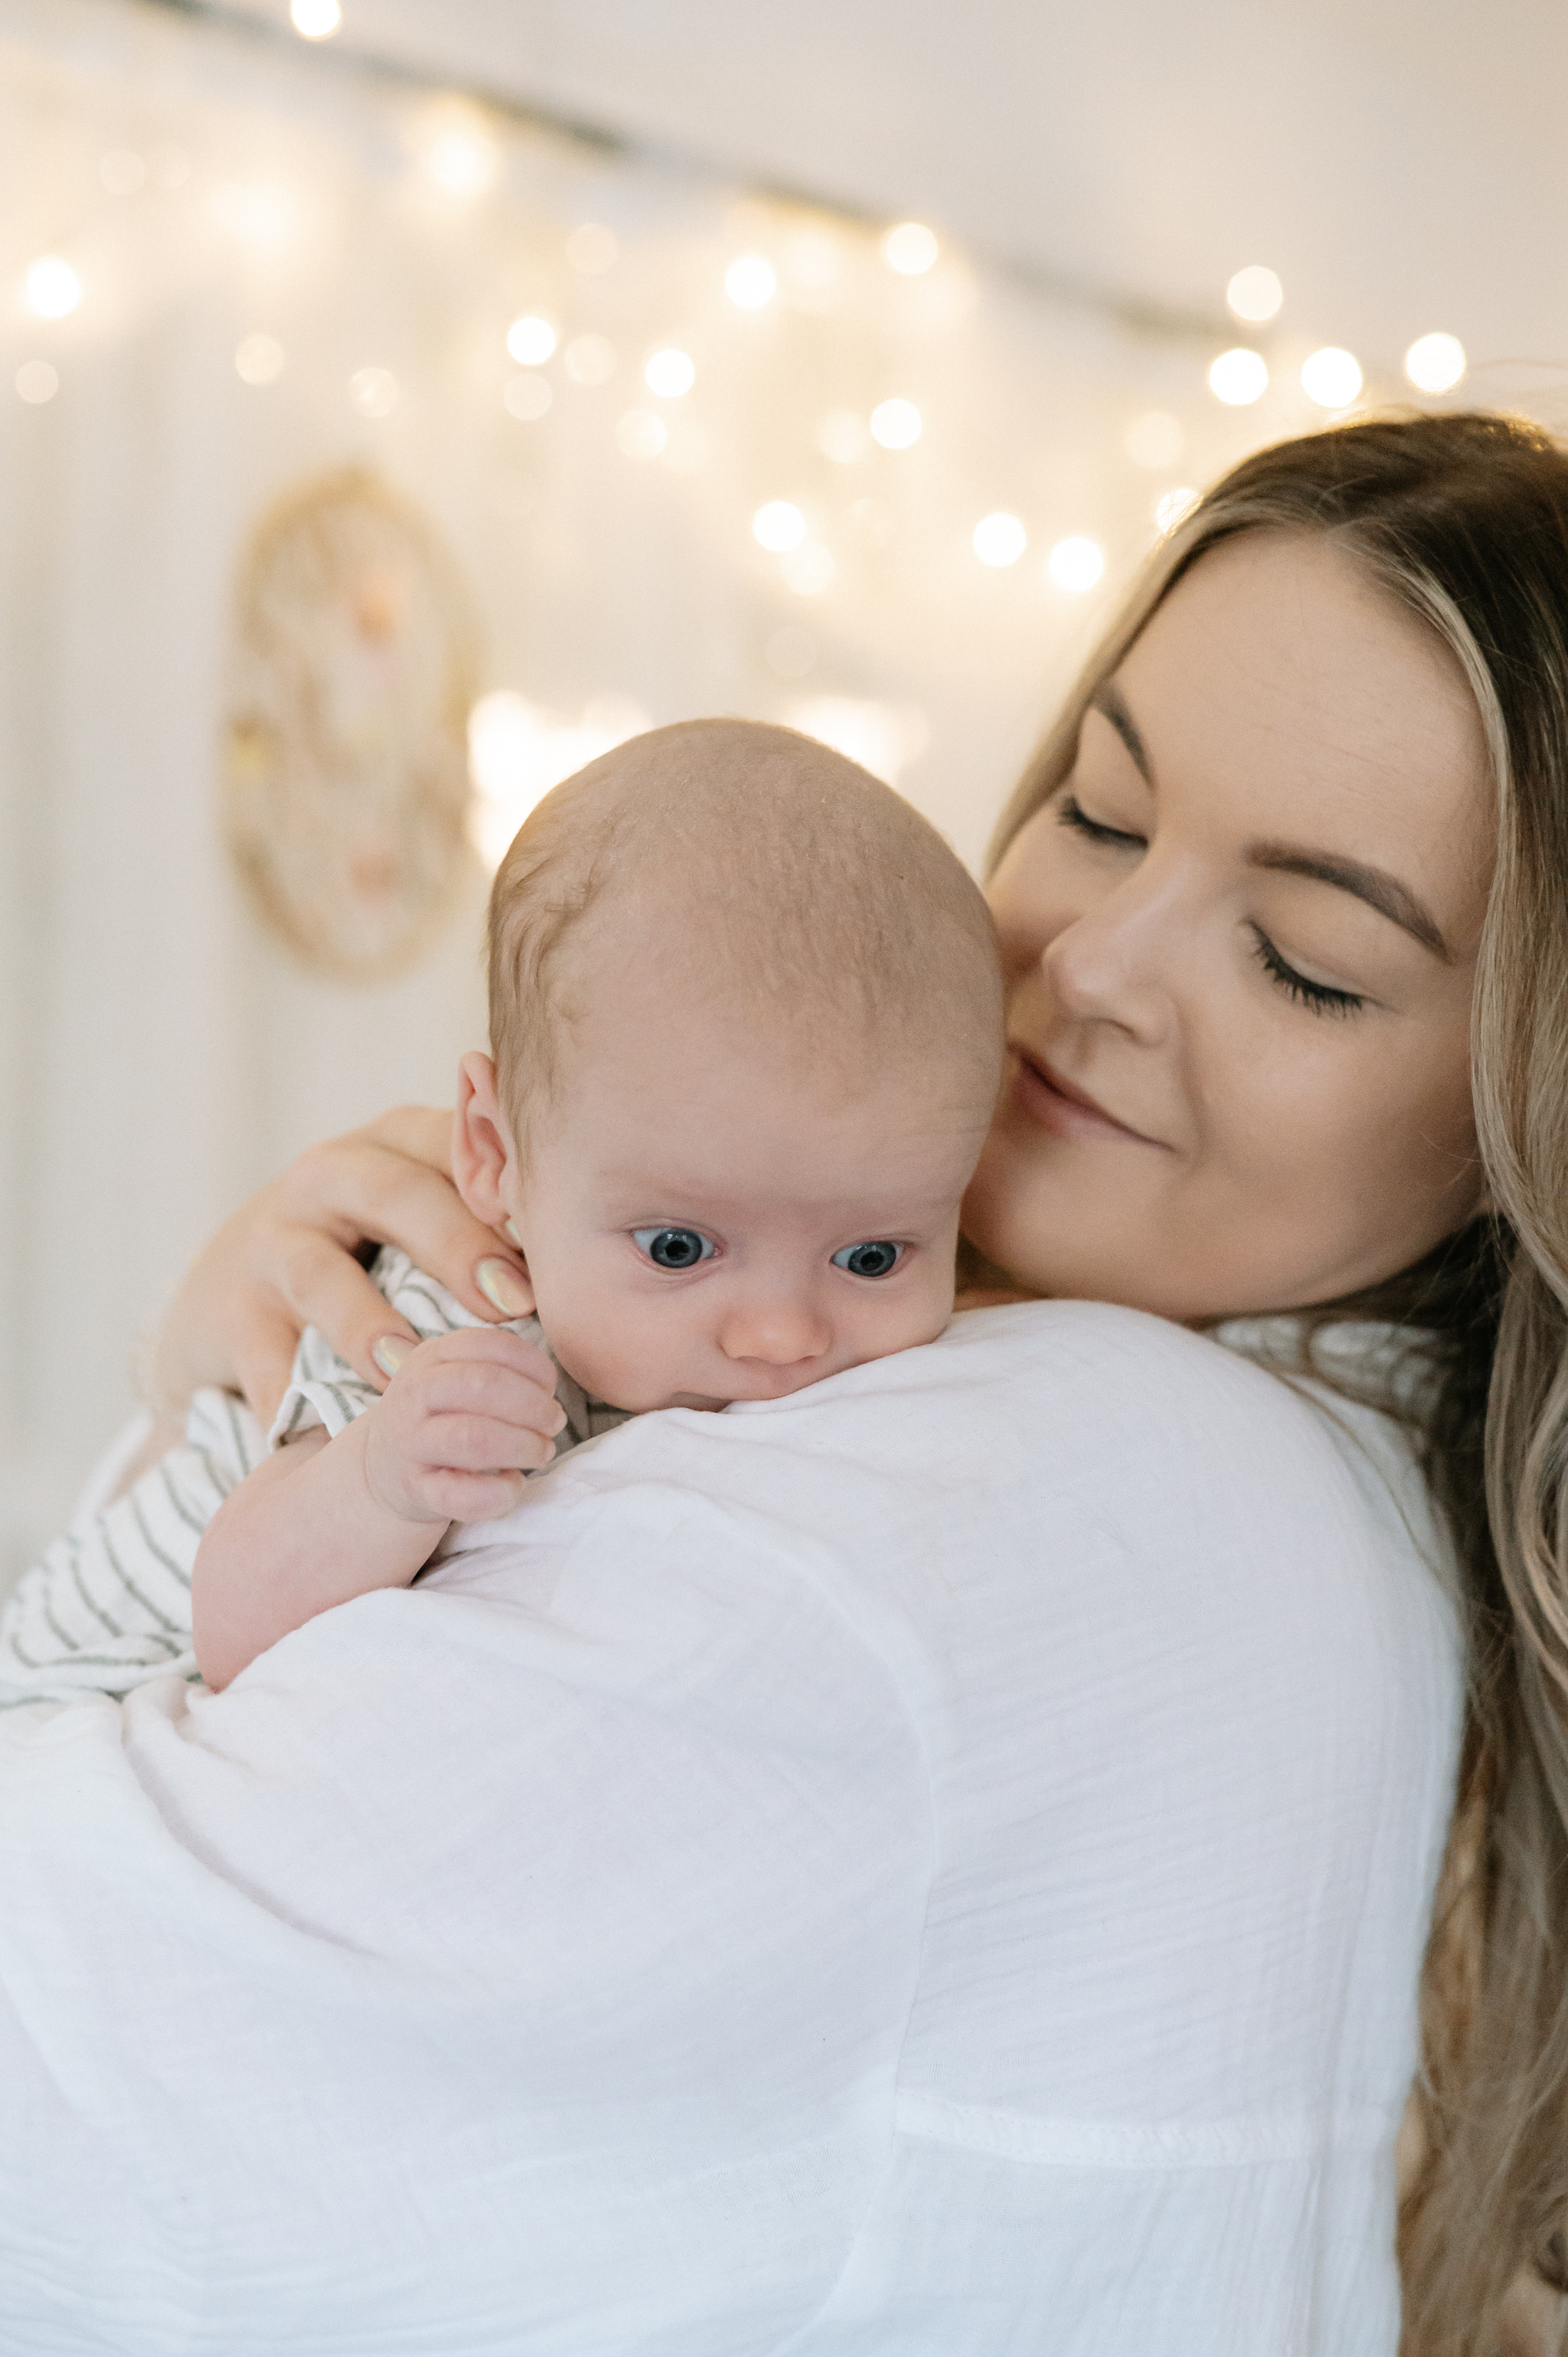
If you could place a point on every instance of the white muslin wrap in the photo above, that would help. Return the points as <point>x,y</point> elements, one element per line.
<point>930,1868</point>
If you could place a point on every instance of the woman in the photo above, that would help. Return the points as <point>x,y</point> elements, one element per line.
<point>1178,1682</point>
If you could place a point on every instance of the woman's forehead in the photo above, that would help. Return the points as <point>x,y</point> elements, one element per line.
<point>1279,692</point>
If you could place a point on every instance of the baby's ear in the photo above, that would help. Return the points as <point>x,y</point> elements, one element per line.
<point>484,1159</point>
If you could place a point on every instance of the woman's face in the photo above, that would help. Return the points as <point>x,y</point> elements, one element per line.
<point>1241,944</point>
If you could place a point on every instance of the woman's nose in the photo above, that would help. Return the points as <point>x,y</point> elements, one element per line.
<point>1110,964</point>
<point>780,1329</point>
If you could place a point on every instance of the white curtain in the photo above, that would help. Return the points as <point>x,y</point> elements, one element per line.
<point>158,1054</point>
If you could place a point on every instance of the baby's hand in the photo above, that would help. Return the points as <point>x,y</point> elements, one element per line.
<point>463,1419</point>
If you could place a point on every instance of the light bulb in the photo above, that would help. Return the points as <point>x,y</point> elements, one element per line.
<point>895,425</point>
<point>373,392</point>
<point>589,359</point>
<point>1331,378</point>
<point>37,383</point>
<point>1254,292</point>
<point>669,373</point>
<point>1435,363</point>
<point>1172,506</point>
<point>1000,539</point>
<point>314,20</point>
<point>530,341</point>
<point>910,248</point>
<point>1074,564</point>
<point>751,281</point>
<point>52,288</point>
<point>260,360</point>
<point>1238,377</point>
<point>779,527</point>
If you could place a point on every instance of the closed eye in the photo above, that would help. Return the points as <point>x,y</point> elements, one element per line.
<point>1070,813</point>
<point>1317,996</point>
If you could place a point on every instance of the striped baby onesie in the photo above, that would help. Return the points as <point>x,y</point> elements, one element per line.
<point>107,1607</point>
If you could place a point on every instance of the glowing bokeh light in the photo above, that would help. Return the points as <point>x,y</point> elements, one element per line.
<point>810,570</point>
<point>1254,292</point>
<point>1331,378</point>
<point>1435,363</point>
<point>526,396</point>
<point>589,359</point>
<point>883,737</point>
<point>373,392</point>
<point>314,20</point>
<point>51,287</point>
<point>1155,439</point>
<point>1074,564</point>
<point>1238,377</point>
<point>530,341</point>
<point>910,248</point>
<point>779,527</point>
<point>1000,539</point>
<point>258,360</point>
<point>1172,506</point>
<point>517,752</point>
<point>751,281</point>
<point>640,435</point>
<point>37,383</point>
<point>669,373</point>
<point>895,425</point>
<point>461,163</point>
<point>842,436</point>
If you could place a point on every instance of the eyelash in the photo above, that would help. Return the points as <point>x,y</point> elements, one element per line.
<point>1316,995</point>
<point>1073,814</point>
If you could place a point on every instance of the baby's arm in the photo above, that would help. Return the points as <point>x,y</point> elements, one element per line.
<point>322,1521</point>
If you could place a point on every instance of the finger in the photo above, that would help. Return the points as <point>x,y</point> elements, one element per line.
<point>422,1132</point>
<point>327,1288</point>
<point>490,1346</point>
<point>264,1349</point>
<point>365,1189</point>
<point>471,1497</point>
<point>482,1443</point>
<point>470,1387</point>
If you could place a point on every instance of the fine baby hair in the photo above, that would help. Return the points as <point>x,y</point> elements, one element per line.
<point>803,896</point>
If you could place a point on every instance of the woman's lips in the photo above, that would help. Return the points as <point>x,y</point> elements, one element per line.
<point>1067,1111</point>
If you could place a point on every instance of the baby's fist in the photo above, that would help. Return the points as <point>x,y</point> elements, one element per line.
<point>461,1423</point>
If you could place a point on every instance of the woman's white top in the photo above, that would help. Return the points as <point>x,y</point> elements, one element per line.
<point>935,1866</point>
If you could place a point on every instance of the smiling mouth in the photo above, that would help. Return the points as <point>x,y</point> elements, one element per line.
<point>1066,1110</point>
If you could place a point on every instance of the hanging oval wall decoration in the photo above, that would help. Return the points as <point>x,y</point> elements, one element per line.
<point>346,771</point>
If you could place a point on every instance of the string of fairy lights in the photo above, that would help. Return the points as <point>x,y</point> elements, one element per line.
<point>547,357</point>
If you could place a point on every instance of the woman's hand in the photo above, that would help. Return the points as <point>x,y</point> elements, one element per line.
<point>285,1261</point>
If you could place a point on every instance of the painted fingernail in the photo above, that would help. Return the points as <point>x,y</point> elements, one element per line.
<point>500,1284</point>
<point>509,1225</point>
<point>390,1352</point>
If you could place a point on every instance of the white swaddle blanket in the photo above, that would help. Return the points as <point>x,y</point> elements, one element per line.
<point>937,1864</point>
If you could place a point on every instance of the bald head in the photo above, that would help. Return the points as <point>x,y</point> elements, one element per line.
<point>808,903</point>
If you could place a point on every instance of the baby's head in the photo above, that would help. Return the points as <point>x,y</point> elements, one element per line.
<point>746,1018</point>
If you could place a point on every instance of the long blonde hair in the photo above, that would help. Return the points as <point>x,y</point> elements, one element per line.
<point>1464,521</point>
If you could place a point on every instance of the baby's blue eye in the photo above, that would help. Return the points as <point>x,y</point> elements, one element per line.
<point>869,1260</point>
<point>673,1247</point>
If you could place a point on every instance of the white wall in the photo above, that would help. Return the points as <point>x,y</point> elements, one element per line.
<point>157,1056</point>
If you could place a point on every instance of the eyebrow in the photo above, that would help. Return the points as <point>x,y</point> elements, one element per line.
<point>1375,885</point>
<point>1111,705</point>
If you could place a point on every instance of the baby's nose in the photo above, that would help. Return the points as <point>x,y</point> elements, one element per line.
<point>781,1332</point>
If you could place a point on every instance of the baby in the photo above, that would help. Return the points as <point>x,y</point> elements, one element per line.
<point>746,1016</point>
